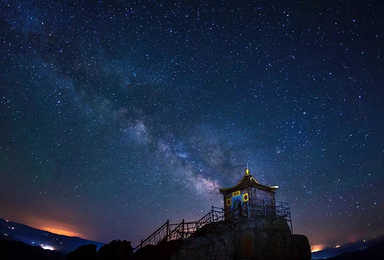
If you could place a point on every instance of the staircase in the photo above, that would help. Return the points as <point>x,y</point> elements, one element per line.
<point>183,230</point>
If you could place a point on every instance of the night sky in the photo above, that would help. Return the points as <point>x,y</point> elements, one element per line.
<point>118,116</point>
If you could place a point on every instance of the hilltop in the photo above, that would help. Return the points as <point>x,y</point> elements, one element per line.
<point>11,231</point>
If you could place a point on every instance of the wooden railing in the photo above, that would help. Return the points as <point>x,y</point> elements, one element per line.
<point>271,209</point>
<point>183,230</point>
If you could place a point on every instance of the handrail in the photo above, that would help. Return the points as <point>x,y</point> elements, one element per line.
<point>267,208</point>
<point>152,235</point>
<point>173,231</point>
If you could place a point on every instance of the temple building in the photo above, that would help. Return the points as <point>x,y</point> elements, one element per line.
<point>251,196</point>
<point>247,200</point>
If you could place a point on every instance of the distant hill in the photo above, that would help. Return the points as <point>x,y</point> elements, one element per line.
<point>375,252</point>
<point>16,250</point>
<point>11,231</point>
<point>351,247</point>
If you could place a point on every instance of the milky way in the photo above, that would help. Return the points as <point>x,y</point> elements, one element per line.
<point>118,116</point>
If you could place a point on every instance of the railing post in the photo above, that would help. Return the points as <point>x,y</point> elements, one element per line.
<point>182,232</point>
<point>213,215</point>
<point>166,236</point>
<point>290,219</point>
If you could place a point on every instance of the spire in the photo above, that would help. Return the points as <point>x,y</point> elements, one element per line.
<point>247,171</point>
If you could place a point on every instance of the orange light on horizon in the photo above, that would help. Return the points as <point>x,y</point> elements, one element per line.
<point>61,231</point>
<point>57,227</point>
<point>53,224</point>
<point>317,248</point>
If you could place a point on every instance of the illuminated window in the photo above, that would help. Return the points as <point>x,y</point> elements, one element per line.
<point>236,193</point>
<point>245,197</point>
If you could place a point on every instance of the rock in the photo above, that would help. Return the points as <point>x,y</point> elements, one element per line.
<point>83,252</point>
<point>299,250</point>
<point>199,248</point>
<point>162,251</point>
<point>259,239</point>
<point>116,250</point>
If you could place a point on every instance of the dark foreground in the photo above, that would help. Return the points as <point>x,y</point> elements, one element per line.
<point>15,250</point>
<point>375,252</point>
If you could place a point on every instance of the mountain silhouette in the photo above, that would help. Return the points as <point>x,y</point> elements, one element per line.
<point>11,231</point>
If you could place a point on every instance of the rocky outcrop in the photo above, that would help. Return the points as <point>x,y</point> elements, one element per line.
<point>162,251</point>
<point>83,252</point>
<point>116,250</point>
<point>258,239</point>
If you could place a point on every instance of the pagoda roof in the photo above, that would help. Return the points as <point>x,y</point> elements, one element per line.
<point>248,181</point>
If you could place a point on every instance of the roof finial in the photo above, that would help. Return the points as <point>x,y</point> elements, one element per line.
<point>247,170</point>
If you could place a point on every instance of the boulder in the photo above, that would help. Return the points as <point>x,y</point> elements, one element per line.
<point>299,248</point>
<point>116,250</point>
<point>206,247</point>
<point>83,252</point>
<point>162,251</point>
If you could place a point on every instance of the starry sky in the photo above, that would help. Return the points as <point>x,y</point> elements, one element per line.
<point>116,116</point>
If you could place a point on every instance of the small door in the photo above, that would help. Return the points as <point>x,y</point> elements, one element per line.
<point>237,204</point>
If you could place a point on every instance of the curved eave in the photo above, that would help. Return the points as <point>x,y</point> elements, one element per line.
<point>248,181</point>
<point>259,186</point>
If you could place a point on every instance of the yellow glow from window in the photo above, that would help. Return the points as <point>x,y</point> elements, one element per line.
<point>236,193</point>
